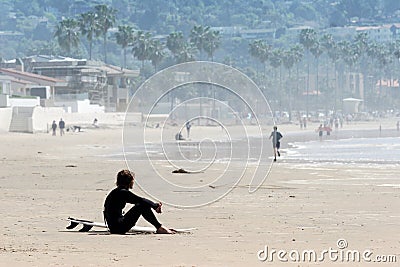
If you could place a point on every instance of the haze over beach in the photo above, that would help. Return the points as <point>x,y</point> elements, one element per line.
<point>268,129</point>
<point>302,205</point>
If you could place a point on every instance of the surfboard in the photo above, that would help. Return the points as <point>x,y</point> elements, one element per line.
<point>88,225</point>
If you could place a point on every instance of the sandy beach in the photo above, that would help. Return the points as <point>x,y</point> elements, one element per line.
<point>301,206</point>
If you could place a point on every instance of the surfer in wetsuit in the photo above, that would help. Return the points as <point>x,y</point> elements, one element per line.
<point>119,197</point>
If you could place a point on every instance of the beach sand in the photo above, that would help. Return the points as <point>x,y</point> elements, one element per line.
<point>301,206</point>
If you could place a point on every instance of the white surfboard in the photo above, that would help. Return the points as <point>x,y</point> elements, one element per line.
<point>88,225</point>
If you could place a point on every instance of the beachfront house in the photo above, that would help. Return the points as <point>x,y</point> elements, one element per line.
<point>21,94</point>
<point>36,90</point>
<point>102,84</point>
<point>91,82</point>
<point>25,85</point>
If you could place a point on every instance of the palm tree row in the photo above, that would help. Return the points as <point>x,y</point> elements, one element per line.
<point>374,61</point>
<point>91,24</point>
<point>144,46</point>
<point>370,60</point>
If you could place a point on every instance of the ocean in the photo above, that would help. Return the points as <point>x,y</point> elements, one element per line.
<point>218,166</point>
<point>385,150</point>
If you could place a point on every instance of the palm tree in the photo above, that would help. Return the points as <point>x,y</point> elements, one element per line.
<point>316,51</point>
<point>67,35</point>
<point>333,53</point>
<point>307,38</point>
<point>187,53</point>
<point>255,50</point>
<point>350,55</point>
<point>396,50</point>
<point>141,46</point>
<point>327,42</point>
<point>297,54</point>
<point>275,60</point>
<point>211,43</point>
<point>106,20</point>
<point>156,52</point>
<point>198,35</point>
<point>89,27</point>
<point>384,59</point>
<point>396,53</point>
<point>175,42</point>
<point>372,52</point>
<point>124,38</point>
<point>361,42</point>
<point>261,51</point>
<point>288,61</point>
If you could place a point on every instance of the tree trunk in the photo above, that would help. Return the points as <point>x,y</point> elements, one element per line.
<point>316,84</point>
<point>105,48</point>
<point>308,85</point>
<point>336,86</point>
<point>124,66</point>
<point>90,49</point>
<point>290,95</point>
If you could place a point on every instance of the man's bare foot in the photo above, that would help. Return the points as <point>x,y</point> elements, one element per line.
<point>163,230</point>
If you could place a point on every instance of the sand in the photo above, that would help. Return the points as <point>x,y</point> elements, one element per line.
<point>45,179</point>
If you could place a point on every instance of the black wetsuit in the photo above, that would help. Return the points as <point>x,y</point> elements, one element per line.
<point>114,204</point>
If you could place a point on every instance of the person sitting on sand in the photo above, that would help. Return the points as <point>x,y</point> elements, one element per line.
<point>119,197</point>
<point>95,121</point>
<point>179,136</point>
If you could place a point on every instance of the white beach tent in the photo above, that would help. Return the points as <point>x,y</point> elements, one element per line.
<point>351,105</point>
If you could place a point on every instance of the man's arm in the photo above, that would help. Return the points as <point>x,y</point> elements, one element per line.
<point>135,199</point>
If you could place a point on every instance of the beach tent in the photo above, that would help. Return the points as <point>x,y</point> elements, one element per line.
<point>351,105</point>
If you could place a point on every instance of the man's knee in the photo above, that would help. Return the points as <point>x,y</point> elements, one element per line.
<point>138,209</point>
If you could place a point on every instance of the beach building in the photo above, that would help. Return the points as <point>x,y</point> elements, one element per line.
<point>379,33</point>
<point>92,82</point>
<point>102,84</point>
<point>29,85</point>
<point>21,94</point>
<point>55,86</point>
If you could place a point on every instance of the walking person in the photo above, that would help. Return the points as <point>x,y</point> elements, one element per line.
<point>61,125</point>
<point>336,123</point>
<point>304,122</point>
<point>188,126</point>
<point>54,127</point>
<point>320,131</point>
<point>276,144</point>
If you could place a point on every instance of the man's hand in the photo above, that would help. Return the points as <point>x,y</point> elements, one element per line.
<point>158,209</point>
